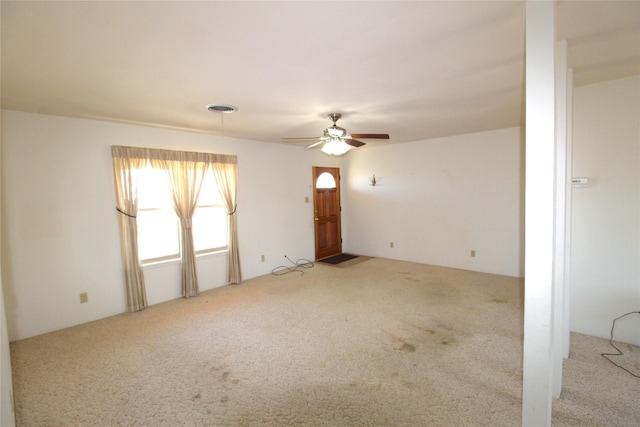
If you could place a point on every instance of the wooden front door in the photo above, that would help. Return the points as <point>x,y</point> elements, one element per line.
<point>326,209</point>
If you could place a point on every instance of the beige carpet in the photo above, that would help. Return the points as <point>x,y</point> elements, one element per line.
<point>377,343</point>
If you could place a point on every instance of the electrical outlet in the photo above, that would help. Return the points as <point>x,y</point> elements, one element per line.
<point>391,245</point>
<point>262,258</point>
<point>306,199</point>
<point>84,297</point>
<point>473,253</point>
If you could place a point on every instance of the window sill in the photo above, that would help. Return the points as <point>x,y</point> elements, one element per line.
<point>213,253</point>
<point>157,264</point>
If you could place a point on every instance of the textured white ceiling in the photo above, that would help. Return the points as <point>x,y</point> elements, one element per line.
<point>415,70</point>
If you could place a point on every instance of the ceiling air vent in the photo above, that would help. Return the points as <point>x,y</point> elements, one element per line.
<point>222,108</point>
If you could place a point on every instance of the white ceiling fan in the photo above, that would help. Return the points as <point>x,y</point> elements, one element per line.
<point>335,140</point>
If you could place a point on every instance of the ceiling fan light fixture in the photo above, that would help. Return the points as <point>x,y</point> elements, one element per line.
<point>335,147</point>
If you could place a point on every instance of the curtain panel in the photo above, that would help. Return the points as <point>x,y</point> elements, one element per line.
<point>186,171</point>
<point>124,165</point>
<point>185,177</point>
<point>227,178</point>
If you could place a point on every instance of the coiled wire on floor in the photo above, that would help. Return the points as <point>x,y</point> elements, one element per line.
<point>298,267</point>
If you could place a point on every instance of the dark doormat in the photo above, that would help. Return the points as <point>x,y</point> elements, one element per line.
<point>337,259</point>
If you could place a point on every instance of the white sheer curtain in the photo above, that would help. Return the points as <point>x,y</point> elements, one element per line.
<point>227,178</point>
<point>186,172</point>
<point>126,162</point>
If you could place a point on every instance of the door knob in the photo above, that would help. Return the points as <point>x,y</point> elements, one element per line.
<point>317,219</point>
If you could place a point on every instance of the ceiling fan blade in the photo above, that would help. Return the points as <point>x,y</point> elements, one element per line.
<point>315,144</point>
<point>311,138</point>
<point>354,142</point>
<point>370,135</point>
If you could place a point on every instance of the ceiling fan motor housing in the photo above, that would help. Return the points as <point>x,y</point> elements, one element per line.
<point>334,117</point>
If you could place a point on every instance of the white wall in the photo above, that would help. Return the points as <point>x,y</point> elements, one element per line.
<point>7,415</point>
<point>605,249</point>
<point>60,224</point>
<point>437,200</point>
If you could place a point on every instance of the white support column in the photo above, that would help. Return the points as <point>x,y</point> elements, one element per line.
<point>560,212</point>
<point>539,213</point>
<point>566,343</point>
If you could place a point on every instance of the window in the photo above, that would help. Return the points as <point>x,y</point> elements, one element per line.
<point>210,218</point>
<point>159,226</point>
<point>325,182</point>
<point>157,235</point>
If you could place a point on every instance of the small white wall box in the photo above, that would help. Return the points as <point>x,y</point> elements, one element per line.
<point>580,182</point>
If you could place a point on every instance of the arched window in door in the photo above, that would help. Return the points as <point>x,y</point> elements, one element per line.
<point>325,181</point>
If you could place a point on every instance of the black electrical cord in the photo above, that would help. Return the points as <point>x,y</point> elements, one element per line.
<point>299,266</point>
<point>619,353</point>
